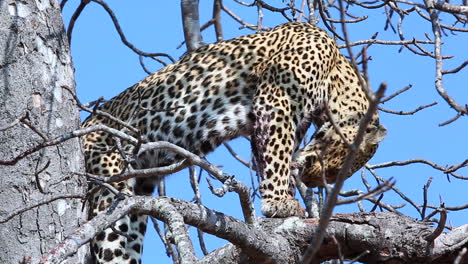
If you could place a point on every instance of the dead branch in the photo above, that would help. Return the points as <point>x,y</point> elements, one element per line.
<point>407,112</point>
<point>237,157</point>
<point>381,188</point>
<point>234,185</point>
<point>445,169</point>
<point>191,24</point>
<point>267,241</point>
<point>438,53</point>
<point>68,136</point>
<point>124,39</point>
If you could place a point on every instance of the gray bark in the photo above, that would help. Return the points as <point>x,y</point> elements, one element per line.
<point>372,237</point>
<point>35,66</point>
<point>191,23</point>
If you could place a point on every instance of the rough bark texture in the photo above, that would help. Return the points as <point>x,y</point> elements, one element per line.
<point>191,22</point>
<point>374,237</point>
<point>35,65</point>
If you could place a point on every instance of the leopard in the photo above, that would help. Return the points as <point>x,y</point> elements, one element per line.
<point>269,86</point>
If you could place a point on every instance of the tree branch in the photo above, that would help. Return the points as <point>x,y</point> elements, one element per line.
<point>283,240</point>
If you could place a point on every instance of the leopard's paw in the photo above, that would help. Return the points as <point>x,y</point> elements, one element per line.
<point>282,208</point>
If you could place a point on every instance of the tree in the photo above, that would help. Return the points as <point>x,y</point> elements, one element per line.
<point>41,196</point>
<point>364,236</point>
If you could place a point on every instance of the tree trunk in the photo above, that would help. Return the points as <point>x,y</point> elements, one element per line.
<point>35,69</point>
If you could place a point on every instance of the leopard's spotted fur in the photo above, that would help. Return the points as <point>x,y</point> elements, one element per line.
<point>270,86</point>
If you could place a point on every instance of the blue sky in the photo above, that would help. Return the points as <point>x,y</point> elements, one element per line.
<point>105,67</point>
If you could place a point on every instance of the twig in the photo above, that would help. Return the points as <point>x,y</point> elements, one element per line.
<point>425,188</point>
<point>390,97</point>
<point>408,112</point>
<point>74,17</point>
<point>176,224</point>
<point>240,188</point>
<point>124,39</point>
<point>448,169</point>
<point>67,136</point>
<point>239,20</point>
<point>85,107</point>
<point>217,20</point>
<point>141,173</point>
<point>377,190</point>
<point>377,203</point>
<point>356,259</point>
<point>430,4</point>
<point>167,245</point>
<point>451,120</point>
<point>457,69</point>
<point>237,157</point>
<point>396,190</point>
<point>338,247</point>
<point>14,122</point>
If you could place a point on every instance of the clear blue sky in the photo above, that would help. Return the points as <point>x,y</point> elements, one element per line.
<point>105,67</point>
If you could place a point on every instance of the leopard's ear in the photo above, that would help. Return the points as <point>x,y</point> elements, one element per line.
<point>375,134</point>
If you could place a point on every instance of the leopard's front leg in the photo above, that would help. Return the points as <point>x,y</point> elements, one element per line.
<point>273,140</point>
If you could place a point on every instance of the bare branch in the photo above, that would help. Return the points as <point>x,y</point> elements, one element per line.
<point>438,55</point>
<point>408,112</point>
<point>440,227</point>
<point>191,24</point>
<point>217,19</point>
<point>381,188</point>
<point>67,136</point>
<point>425,188</point>
<point>122,36</point>
<point>448,169</point>
<point>390,97</point>
<point>457,69</point>
<point>240,188</point>
<point>74,17</point>
<point>237,157</point>
<point>239,20</point>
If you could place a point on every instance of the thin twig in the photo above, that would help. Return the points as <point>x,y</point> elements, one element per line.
<point>425,188</point>
<point>407,112</point>
<point>122,35</point>
<point>390,97</point>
